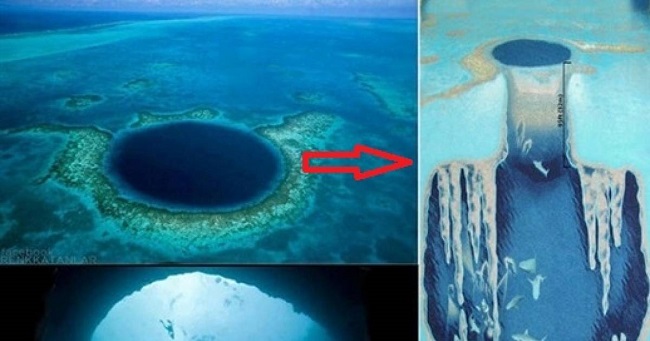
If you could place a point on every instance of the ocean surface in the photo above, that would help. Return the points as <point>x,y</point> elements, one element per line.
<point>103,70</point>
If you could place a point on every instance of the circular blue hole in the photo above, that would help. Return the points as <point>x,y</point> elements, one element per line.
<point>192,164</point>
<point>530,53</point>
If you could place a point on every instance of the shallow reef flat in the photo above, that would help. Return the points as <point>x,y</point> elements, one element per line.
<point>609,48</point>
<point>389,97</point>
<point>138,84</point>
<point>23,46</point>
<point>80,166</point>
<point>145,118</point>
<point>430,59</point>
<point>481,68</point>
<point>309,97</point>
<point>80,102</point>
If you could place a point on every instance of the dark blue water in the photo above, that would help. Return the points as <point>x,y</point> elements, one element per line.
<point>196,164</point>
<point>13,20</point>
<point>526,52</point>
<point>641,5</point>
<point>545,221</point>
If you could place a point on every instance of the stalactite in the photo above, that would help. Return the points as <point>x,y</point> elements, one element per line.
<point>456,229</point>
<point>488,212</point>
<point>481,229</point>
<point>474,190</point>
<point>462,326</point>
<point>602,199</point>
<point>443,203</point>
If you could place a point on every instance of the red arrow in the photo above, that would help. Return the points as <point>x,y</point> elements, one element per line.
<point>398,162</point>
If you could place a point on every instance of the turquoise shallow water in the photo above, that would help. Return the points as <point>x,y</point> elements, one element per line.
<point>253,70</point>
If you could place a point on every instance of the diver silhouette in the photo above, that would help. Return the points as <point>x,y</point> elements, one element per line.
<point>169,326</point>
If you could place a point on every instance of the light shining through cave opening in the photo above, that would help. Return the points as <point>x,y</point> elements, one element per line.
<point>198,306</point>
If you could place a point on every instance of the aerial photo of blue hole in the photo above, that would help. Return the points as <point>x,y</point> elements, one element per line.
<point>174,131</point>
<point>535,217</point>
<point>164,164</point>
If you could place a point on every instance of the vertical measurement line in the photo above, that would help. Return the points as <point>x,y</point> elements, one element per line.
<point>565,157</point>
